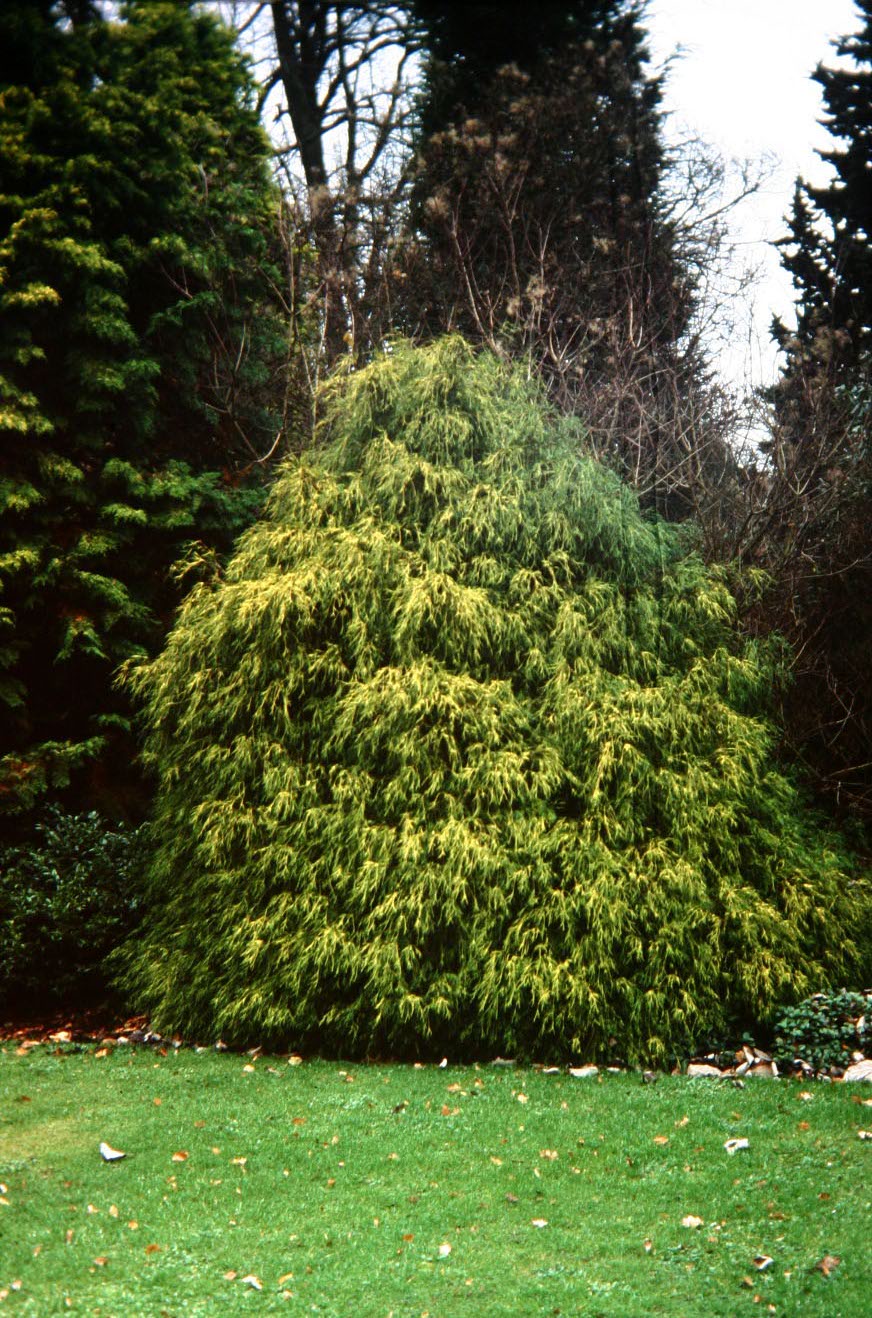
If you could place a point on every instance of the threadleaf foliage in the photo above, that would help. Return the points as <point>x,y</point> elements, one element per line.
<point>461,753</point>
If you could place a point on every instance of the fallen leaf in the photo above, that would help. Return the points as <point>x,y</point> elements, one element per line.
<point>538,1221</point>
<point>113,1210</point>
<point>69,1236</point>
<point>649,1245</point>
<point>823,1195</point>
<point>230,1276</point>
<point>512,1199</point>
<point>102,1052</point>
<point>254,1282</point>
<point>295,1060</point>
<point>762,1262</point>
<point>550,1155</point>
<point>108,1154</point>
<point>152,1249</point>
<point>133,1226</point>
<point>522,1098</point>
<point>101,1260</point>
<point>682,1122</point>
<point>497,1162</point>
<point>443,1064</point>
<point>661,1139</point>
<point>864,1134</point>
<point>238,1162</point>
<point>248,1068</point>
<point>286,1276</point>
<point>157,1102</point>
<point>180,1156</point>
<point>827,1264</point>
<point>444,1250</point>
<point>583,1072</point>
<point>691,1222</point>
<point>393,1157</point>
<point>455,1088</point>
<point>805,1096</point>
<point>733,1146</point>
<point>92,1209</point>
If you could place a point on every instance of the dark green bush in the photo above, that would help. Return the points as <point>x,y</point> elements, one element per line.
<point>68,896</point>
<point>825,1029</point>
<point>463,754</point>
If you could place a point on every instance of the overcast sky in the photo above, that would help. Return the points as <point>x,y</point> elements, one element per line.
<point>742,82</point>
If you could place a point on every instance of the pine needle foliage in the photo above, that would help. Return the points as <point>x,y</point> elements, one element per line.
<point>462,754</point>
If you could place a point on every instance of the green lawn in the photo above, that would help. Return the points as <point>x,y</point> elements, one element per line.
<point>340,1188</point>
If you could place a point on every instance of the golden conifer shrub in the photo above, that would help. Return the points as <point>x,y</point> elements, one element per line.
<point>461,754</point>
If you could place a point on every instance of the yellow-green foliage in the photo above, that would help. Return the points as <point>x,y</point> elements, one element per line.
<point>462,753</point>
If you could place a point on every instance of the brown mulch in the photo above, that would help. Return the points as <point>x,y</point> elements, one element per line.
<point>87,1025</point>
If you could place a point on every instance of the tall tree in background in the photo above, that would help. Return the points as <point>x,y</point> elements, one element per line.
<point>541,227</point>
<point>140,354</point>
<point>343,71</point>
<point>816,534</point>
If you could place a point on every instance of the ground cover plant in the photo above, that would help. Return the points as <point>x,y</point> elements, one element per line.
<point>463,753</point>
<point>255,1186</point>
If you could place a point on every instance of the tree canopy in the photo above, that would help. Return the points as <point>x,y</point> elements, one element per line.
<point>140,353</point>
<point>462,751</point>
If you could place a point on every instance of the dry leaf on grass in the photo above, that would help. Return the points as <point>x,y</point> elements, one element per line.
<point>762,1262</point>
<point>691,1221</point>
<point>827,1264</point>
<point>538,1221</point>
<point>864,1134</point>
<point>661,1139</point>
<point>180,1156</point>
<point>108,1154</point>
<point>444,1250</point>
<point>254,1282</point>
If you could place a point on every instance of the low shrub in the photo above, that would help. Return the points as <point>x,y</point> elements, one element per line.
<point>68,896</point>
<point>825,1029</point>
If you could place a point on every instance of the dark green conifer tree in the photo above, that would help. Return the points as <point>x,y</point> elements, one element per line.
<point>140,354</point>
<point>463,754</point>
<point>818,543</point>
<point>540,224</point>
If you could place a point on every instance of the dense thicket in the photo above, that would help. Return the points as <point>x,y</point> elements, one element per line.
<point>817,540</point>
<point>462,753</point>
<point>140,355</point>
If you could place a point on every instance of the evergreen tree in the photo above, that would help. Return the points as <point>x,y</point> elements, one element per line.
<point>828,251</point>
<point>541,227</point>
<point>140,353</point>
<point>821,484</point>
<point>462,752</point>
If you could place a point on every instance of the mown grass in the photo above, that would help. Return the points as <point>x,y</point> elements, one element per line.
<point>335,1187</point>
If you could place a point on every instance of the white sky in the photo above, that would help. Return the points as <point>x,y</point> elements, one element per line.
<point>743,84</point>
